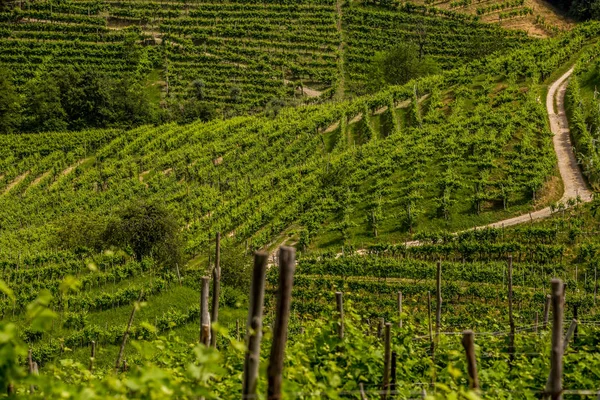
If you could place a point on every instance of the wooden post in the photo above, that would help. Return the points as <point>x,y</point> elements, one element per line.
<point>93,356</point>
<point>361,387</point>
<point>126,333</point>
<point>237,329</point>
<point>393,374</point>
<point>547,310</point>
<point>216,289</point>
<point>429,321</point>
<point>178,274</point>
<point>575,318</point>
<point>554,386</point>
<point>511,321</point>
<point>254,325</point>
<point>468,342</point>
<point>204,314</point>
<point>438,311</point>
<point>287,266</point>
<point>205,335</point>
<point>30,365</point>
<point>570,332</point>
<point>339,299</point>
<point>595,284</point>
<point>387,360</point>
<point>400,310</point>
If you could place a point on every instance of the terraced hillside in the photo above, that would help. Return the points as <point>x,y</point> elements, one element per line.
<point>242,55</point>
<point>334,174</point>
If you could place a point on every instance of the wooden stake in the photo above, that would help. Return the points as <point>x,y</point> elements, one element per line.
<point>287,266</point>
<point>30,364</point>
<point>511,321</point>
<point>361,387</point>
<point>237,329</point>
<point>254,325</point>
<point>216,289</point>
<point>400,310</point>
<point>554,386</point>
<point>438,311</point>
<point>126,334</point>
<point>547,310</point>
<point>468,342</point>
<point>429,320</point>
<point>387,361</point>
<point>339,299</point>
<point>178,274</point>
<point>570,332</point>
<point>575,318</point>
<point>93,356</point>
<point>393,374</point>
<point>204,314</point>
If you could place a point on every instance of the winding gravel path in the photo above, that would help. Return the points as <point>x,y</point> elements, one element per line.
<point>574,184</point>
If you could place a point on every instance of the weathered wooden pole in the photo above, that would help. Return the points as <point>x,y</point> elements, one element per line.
<point>438,311</point>
<point>178,274</point>
<point>399,309</point>
<point>570,332</point>
<point>93,356</point>
<point>361,388</point>
<point>575,318</point>
<point>254,325</point>
<point>287,266</point>
<point>554,387</point>
<point>547,310</point>
<point>216,289</point>
<point>126,333</point>
<point>237,329</point>
<point>511,321</point>
<point>393,374</point>
<point>204,314</point>
<point>387,360</point>
<point>30,367</point>
<point>468,342</point>
<point>339,299</point>
<point>429,322</point>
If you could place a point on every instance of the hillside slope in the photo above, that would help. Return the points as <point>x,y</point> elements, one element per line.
<point>243,55</point>
<point>465,148</point>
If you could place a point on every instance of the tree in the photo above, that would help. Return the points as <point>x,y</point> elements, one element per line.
<point>198,89</point>
<point>9,103</point>
<point>399,65</point>
<point>148,229</point>
<point>43,111</point>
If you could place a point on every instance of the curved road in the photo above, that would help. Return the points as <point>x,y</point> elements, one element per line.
<point>574,184</point>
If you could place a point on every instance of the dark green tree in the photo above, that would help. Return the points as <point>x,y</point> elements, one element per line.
<point>9,103</point>
<point>148,229</point>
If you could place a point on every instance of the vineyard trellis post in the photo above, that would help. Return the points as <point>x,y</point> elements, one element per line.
<point>400,310</point>
<point>287,266</point>
<point>429,323</point>
<point>438,311</point>
<point>92,355</point>
<point>254,325</point>
<point>547,310</point>
<point>216,288</point>
<point>511,321</point>
<point>468,342</point>
<point>204,314</point>
<point>387,361</point>
<point>568,335</point>
<point>393,377</point>
<point>126,333</point>
<point>339,298</point>
<point>554,385</point>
